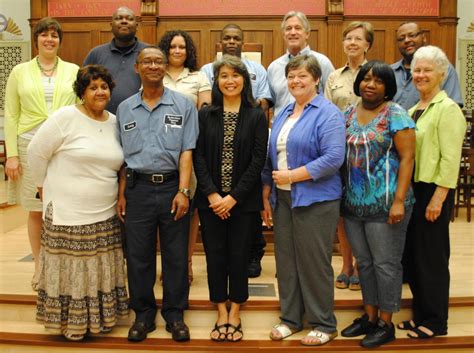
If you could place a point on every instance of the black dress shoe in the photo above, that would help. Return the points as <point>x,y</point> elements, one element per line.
<point>382,333</point>
<point>360,326</point>
<point>254,268</point>
<point>179,331</point>
<point>139,330</point>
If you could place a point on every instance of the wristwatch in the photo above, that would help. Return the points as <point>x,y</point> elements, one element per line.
<point>186,192</point>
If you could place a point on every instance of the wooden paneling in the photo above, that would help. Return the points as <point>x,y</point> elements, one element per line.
<point>326,33</point>
<point>77,42</point>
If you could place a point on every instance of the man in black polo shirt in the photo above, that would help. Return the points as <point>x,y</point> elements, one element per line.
<point>119,56</point>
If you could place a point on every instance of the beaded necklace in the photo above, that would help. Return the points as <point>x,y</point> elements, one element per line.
<point>47,72</point>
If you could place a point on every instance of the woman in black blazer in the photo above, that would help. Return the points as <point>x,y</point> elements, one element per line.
<point>228,160</point>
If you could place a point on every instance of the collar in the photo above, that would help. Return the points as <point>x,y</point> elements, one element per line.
<point>440,96</point>
<point>346,66</point>
<point>398,65</point>
<point>315,102</point>
<point>113,47</point>
<point>305,51</point>
<point>165,99</point>
<point>183,74</point>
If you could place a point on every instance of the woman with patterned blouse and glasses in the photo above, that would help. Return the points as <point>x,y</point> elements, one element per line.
<point>228,160</point>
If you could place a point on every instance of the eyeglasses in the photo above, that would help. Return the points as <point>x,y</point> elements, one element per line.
<point>151,62</point>
<point>409,36</point>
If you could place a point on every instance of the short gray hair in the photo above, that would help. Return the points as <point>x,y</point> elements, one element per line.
<point>300,16</point>
<point>433,54</point>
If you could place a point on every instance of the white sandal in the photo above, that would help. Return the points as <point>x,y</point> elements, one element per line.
<point>322,337</point>
<point>284,332</point>
<point>73,336</point>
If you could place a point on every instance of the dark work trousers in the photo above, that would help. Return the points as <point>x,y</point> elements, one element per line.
<point>257,243</point>
<point>148,209</point>
<point>227,244</point>
<point>428,250</point>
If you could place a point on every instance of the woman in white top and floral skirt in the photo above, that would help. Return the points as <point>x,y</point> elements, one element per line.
<point>74,158</point>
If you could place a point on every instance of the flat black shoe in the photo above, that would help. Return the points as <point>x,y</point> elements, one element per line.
<point>179,331</point>
<point>360,326</point>
<point>382,333</point>
<point>254,268</point>
<point>139,330</point>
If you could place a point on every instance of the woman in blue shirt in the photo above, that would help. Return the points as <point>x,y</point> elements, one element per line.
<point>378,198</point>
<point>302,189</point>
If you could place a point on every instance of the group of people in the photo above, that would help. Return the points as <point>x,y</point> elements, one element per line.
<point>139,135</point>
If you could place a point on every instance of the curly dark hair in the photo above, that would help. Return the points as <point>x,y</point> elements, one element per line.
<point>90,73</point>
<point>46,24</point>
<point>191,53</point>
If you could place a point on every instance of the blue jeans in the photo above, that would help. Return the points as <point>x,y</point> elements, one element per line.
<point>378,249</point>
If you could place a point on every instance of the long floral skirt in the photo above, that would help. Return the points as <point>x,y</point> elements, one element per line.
<point>82,282</point>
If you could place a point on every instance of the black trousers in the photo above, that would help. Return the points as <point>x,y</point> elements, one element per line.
<point>427,255</point>
<point>257,242</point>
<point>148,209</point>
<point>227,246</point>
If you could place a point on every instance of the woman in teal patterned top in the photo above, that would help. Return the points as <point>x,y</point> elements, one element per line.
<point>378,199</point>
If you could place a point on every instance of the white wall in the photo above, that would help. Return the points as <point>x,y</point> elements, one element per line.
<point>19,11</point>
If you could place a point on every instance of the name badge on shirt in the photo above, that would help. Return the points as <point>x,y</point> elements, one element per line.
<point>129,126</point>
<point>253,77</point>
<point>174,121</point>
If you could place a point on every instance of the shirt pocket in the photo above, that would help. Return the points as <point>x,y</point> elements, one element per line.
<point>336,86</point>
<point>173,138</point>
<point>132,142</point>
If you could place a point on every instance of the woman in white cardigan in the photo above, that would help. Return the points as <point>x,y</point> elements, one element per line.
<point>75,157</point>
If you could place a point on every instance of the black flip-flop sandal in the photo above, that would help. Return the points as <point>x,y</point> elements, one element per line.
<point>420,334</point>
<point>231,334</point>
<point>222,335</point>
<point>406,325</point>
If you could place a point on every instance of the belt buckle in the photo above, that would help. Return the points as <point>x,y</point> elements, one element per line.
<point>157,178</point>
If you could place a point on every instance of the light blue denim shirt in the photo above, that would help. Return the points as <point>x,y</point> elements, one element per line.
<point>153,139</point>
<point>316,141</point>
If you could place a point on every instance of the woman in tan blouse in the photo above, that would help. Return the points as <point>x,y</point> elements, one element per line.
<point>183,76</point>
<point>357,39</point>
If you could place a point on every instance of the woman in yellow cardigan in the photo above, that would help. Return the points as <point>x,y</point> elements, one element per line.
<point>440,129</point>
<point>34,90</point>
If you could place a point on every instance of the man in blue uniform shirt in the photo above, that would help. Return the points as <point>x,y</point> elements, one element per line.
<point>158,131</point>
<point>410,38</point>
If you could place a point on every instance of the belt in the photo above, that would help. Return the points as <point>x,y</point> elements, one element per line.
<point>157,178</point>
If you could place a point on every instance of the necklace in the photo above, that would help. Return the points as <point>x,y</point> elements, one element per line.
<point>47,72</point>
<point>103,116</point>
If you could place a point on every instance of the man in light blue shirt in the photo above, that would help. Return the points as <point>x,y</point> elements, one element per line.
<point>410,38</point>
<point>296,30</point>
<point>158,129</point>
<point>232,42</point>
